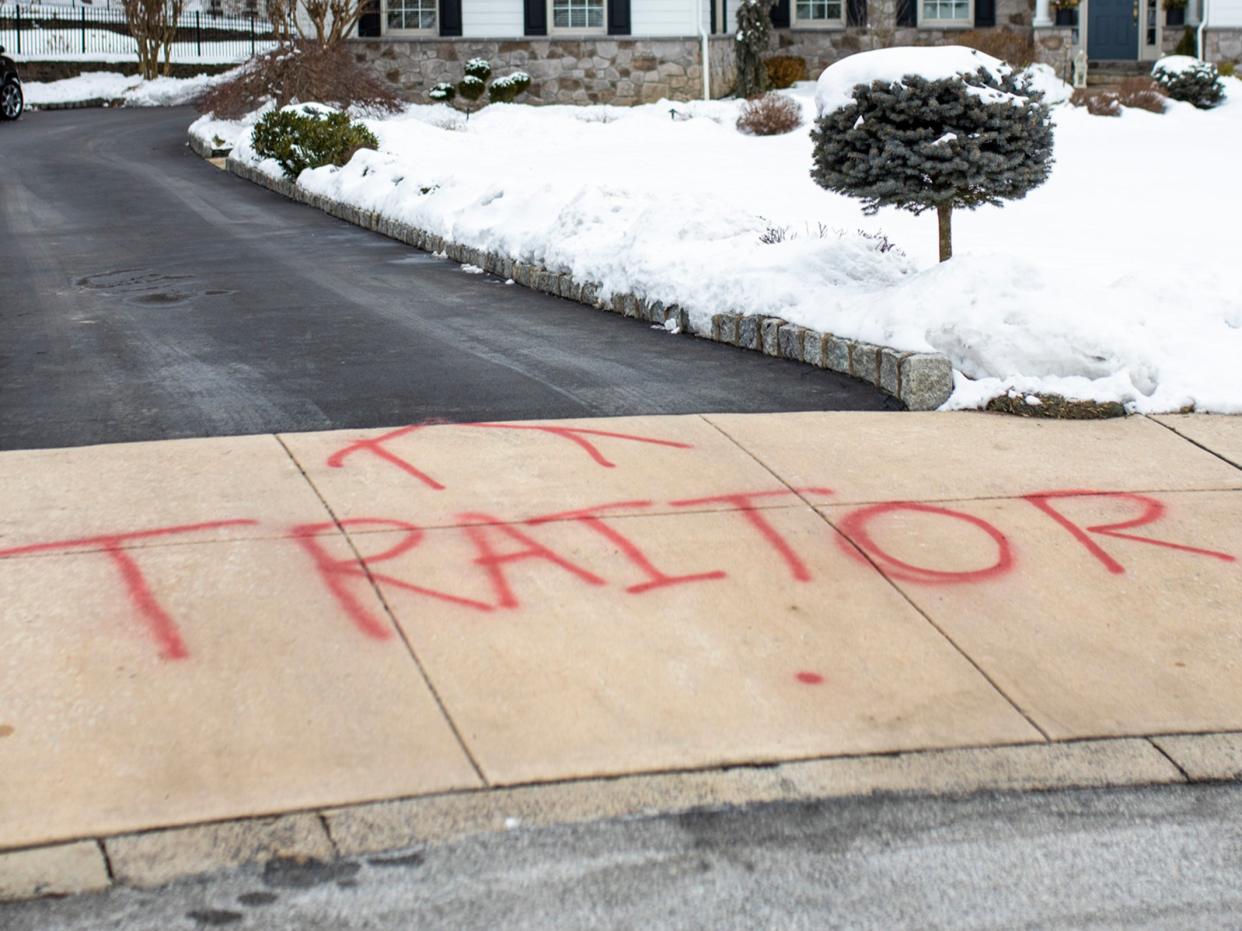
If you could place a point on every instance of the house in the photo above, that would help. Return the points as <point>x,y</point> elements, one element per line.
<point>638,51</point>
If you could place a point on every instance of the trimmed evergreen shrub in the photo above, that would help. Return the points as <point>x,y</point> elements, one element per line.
<point>1189,79</point>
<point>508,88</point>
<point>769,115</point>
<point>309,136</point>
<point>753,29</point>
<point>784,70</point>
<point>444,92</point>
<point>1186,45</point>
<point>946,144</point>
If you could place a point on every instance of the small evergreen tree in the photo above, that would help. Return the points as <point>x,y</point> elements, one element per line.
<point>943,144</point>
<point>474,84</point>
<point>754,26</point>
<point>1184,77</point>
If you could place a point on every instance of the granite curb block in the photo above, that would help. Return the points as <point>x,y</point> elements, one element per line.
<point>203,149</point>
<point>922,381</point>
<point>145,859</point>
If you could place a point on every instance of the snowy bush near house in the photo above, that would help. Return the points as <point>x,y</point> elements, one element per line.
<point>1190,79</point>
<point>1042,79</point>
<point>443,92</point>
<point>929,128</point>
<point>509,88</point>
<point>769,115</point>
<point>309,135</point>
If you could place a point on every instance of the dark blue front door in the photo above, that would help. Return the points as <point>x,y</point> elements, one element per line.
<point>1112,30</point>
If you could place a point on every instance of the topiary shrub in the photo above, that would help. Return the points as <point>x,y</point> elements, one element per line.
<point>769,115</point>
<point>784,70</point>
<point>508,88</point>
<point>1187,45</point>
<point>754,26</point>
<point>309,136</point>
<point>962,132</point>
<point>1190,79</point>
<point>444,92</point>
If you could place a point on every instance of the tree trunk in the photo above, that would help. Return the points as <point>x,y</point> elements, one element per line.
<point>944,216</point>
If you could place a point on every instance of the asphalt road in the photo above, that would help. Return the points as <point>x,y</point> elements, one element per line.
<point>145,294</point>
<point>1165,857</point>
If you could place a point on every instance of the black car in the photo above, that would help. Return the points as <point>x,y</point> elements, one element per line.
<point>12,102</point>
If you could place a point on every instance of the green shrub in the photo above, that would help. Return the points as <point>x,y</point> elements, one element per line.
<point>785,70</point>
<point>1228,69</point>
<point>1189,79</point>
<point>508,88</point>
<point>308,136</point>
<point>754,26</point>
<point>444,92</point>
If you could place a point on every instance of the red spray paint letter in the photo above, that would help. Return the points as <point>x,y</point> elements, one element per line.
<point>338,573</point>
<point>592,519</point>
<point>482,527</point>
<point>1152,511</point>
<point>855,528</point>
<point>576,435</point>
<point>744,503</point>
<point>162,626</point>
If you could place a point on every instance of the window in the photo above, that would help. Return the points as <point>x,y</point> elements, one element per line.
<point>946,11</point>
<point>812,12</point>
<point>578,14</point>
<point>411,14</point>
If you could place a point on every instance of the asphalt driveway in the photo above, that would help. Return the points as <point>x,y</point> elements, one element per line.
<point>145,294</point>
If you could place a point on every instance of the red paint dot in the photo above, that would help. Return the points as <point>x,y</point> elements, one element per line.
<point>809,678</point>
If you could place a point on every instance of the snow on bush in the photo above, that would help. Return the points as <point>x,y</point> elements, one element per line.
<point>1186,78</point>
<point>309,135</point>
<point>1066,291</point>
<point>1042,79</point>
<point>930,143</point>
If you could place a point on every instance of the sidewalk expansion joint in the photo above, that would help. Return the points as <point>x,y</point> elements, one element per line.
<point>1172,429</point>
<point>392,619</point>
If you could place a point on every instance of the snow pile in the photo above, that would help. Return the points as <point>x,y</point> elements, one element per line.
<point>1066,291</point>
<point>835,89</point>
<point>130,89</point>
<point>1043,79</point>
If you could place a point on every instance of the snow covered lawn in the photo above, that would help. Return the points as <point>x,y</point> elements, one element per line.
<point>1118,280</point>
<point>111,85</point>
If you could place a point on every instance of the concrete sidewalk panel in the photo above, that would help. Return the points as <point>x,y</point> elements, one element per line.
<point>62,869</point>
<point>945,456</point>
<point>1089,629</point>
<point>240,487</point>
<point>433,475</point>
<point>157,857</point>
<point>561,656</point>
<point>1220,433</point>
<point>230,683</point>
<point>1205,757</point>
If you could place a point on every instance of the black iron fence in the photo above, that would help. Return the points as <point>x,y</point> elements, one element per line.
<point>46,33</point>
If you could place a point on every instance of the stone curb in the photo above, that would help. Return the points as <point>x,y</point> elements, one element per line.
<point>203,149</point>
<point>90,103</point>
<point>145,859</point>
<point>922,381</point>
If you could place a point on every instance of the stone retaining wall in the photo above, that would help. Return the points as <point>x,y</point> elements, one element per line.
<point>59,70</point>
<point>923,381</point>
<point>611,70</point>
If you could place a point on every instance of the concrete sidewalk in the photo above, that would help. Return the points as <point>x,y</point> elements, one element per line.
<point>319,644</point>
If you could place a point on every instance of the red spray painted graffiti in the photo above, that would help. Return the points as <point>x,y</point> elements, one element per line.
<point>576,435</point>
<point>161,624</point>
<point>856,529</point>
<point>1152,511</point>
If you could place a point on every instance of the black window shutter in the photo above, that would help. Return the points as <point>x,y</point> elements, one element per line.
<point>985,13</point>
<point>856,13</point>
<point>712,29</point>
<point>534,17</point>
<point>907,15</point>
<point>780,14</point>
<point>618,17</point>
<point>450,17</point>
<point>369,21</point>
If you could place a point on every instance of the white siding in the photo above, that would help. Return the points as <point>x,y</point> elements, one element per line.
<point>1222,13</point>
<point>491,19</point>
<point>666,17</point>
